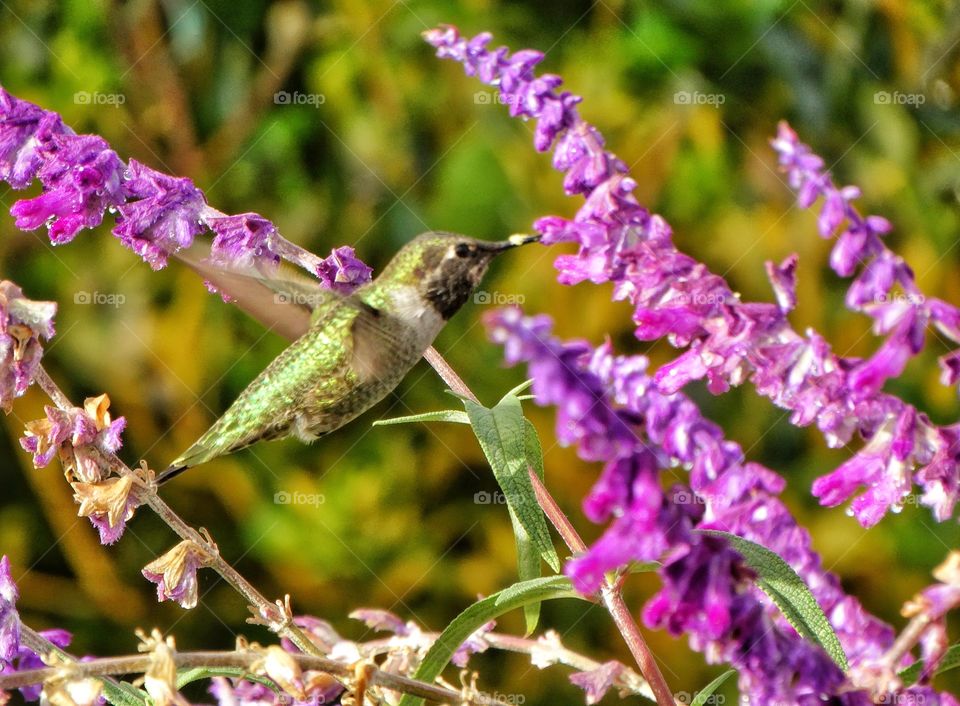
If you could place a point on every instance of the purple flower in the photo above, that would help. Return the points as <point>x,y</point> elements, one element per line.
<point>22,323</point>
<point>342,271</point>
<point>244,240</point>
<point>81,178</point>
<point>9,618</point>
<point>163,216</point>
<point>24,129</point>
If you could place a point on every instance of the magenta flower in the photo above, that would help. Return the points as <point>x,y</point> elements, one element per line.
<point>707,592</point>
<point>244,240</point>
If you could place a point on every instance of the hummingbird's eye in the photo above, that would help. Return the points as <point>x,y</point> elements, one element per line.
<point>462,249</point>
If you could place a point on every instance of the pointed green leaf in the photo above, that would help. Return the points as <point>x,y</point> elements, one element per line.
<point>444,415</point>
<point>188,676</point>
<point>480,613</point>
<point>504,436</point>
<point>528,567</point>
<point>951,660</point>
<point>123,693</point>
<point>790,593</point>
<point>518,389</point>
<point>703,696</point>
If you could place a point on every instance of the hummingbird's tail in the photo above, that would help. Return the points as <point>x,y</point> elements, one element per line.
<point>171,471</point>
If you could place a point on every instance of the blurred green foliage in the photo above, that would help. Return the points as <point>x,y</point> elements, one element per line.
<point>403,142</point>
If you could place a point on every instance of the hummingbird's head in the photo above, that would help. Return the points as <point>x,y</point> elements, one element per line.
<point>447,267</point>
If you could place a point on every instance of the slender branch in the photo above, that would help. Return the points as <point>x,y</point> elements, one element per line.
<point>245,660</point>
<point>628,680</point>
<point>448,374</point>
<point>276,619</point>
<point>137,664</point>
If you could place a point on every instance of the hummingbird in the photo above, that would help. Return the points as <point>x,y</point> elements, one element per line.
<point>350,351</point>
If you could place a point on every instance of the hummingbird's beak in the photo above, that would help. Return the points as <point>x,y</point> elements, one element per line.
<point>523,238</point>
<point>513,241</point>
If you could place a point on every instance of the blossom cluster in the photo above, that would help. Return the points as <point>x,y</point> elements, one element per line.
<point>157,214</point>
<point>885,288</point>
<point>638,424</point>
<point>727,341</point>
<point>707,590</point>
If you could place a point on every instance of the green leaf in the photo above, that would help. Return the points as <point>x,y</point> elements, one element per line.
<point>951,660</point>
<point>121,693</point>
<point>188,676</point>
<point>504,437</point>
<point>444,415</point>
<point>706,692</point>
<point>480,613</point>
<point>790,593</point>
<point>642,567</point>
<point>518,389</point>
<point>528,567</point>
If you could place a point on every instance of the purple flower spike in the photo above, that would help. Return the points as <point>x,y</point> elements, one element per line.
<point>82,177</point>
<point>729,342</point>
<point>342,271</point>
<point>707,591</point>
<point>24,129</point>
<point>22,323</point>
<point>9,619</point>
<point>164,217</point>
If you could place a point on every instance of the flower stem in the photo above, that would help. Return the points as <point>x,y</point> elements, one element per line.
<point>611,596</point>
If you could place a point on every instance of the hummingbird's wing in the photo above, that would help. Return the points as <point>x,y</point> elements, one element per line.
<point>283,303</point>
